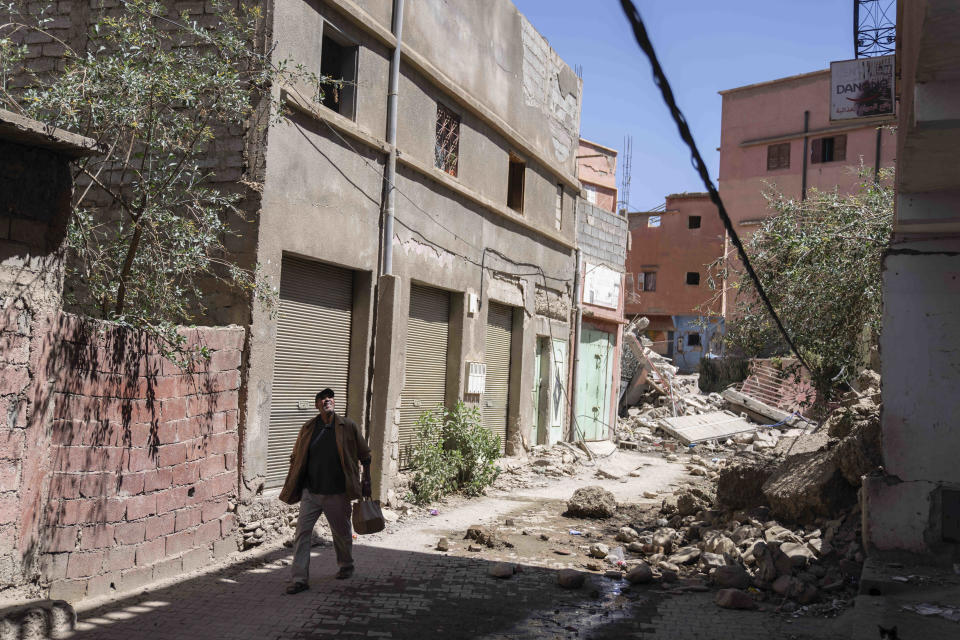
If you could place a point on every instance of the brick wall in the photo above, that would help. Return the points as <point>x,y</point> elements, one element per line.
<point>601,235</point>
<point>117,468</point>
<point>235,159</point>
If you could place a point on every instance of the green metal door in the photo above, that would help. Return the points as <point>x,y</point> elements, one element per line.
<point>536,389</point>
<point>557,394</point>
<point>593,394</point>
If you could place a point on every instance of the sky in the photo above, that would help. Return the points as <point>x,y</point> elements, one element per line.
<point>704,46</point>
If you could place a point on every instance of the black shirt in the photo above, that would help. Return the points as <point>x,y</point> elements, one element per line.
<point>324,468</point>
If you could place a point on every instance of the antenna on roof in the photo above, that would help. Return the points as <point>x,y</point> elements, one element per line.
<point>623,204</point>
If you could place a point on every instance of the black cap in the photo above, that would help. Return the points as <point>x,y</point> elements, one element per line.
<point>326,393</point>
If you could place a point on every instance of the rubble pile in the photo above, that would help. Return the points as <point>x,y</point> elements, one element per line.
<point>689,541</point>
<point>540,461</point>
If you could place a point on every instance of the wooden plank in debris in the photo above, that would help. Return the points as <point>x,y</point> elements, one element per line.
<point>772,413</point>
<point>717,425</point>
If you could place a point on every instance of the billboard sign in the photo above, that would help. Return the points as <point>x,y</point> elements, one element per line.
<point>861,88</point>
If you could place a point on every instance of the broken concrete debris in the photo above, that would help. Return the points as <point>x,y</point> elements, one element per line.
<point>591,502</point>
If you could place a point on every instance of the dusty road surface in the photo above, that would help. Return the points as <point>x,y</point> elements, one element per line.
<point>405,588</point>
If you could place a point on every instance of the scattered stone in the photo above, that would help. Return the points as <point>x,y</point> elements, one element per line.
<point>544,537</point>
<point>483,535</point>
<point>710,561</point>
<point>735,599</point>
<point>591,502</point>
<point>649,495</point>
<point>562,552</point>
<point>571,578</point>
<point>472,547</point>
<point>599,550</point>
<point>640,574</point>
<point>730,577</point>
<point>627,534</point>
<point>685,555</point>
<point>502,570</point>
<point>593,566</point>
<point>443,544</point>
<point>798,553</point>
<point>636,547</point>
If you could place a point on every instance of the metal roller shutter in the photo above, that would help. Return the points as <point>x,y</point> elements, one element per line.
<point>497,356</point>
<point>425,380</point>
<point>312,352</point>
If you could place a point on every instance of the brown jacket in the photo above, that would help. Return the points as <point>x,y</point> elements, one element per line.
<point>353,450</point>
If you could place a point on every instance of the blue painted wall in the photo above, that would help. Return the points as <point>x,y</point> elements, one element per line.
<point>689,329</point>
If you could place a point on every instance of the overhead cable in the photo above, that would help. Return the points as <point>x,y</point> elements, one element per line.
<point>660,79</point>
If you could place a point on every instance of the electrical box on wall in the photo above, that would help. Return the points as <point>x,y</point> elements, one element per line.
<point>473,303</point>
<point>476,377</point>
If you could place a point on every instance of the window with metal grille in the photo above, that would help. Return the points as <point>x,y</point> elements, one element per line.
<point>832,149</point>
<point>447,152</point>
<point>778,156</point>
<point>515,183</point>
<point>649,279</point>
<point>338,62</point>
<point>693,277</point>
<point>693,222</point>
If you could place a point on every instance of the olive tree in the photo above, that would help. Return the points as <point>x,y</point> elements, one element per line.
<point>820,262</point>
<point>155,90</point>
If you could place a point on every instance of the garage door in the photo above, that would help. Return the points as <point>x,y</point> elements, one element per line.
<point>497,356</point>
<point>312,352</point>
<point>424,385</point>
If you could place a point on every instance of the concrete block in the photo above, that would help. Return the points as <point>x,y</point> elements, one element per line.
<point>196,559</point>
<point>168,569</point>
<point>136,578</point>
<point>69,590</point>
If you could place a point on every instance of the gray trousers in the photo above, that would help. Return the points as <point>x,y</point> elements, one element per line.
<point>337,509</point>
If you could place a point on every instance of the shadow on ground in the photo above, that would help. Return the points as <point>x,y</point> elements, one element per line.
<point>402,594</point>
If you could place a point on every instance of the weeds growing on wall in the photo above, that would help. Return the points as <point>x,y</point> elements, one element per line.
<point>454,452</point>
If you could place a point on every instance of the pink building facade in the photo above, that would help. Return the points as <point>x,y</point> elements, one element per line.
<point>778,135</point>
<point>597,170</point>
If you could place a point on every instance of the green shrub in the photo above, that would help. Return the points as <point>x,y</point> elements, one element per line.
<point>453,452</point>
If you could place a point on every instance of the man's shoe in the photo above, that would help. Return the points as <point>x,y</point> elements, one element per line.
<point>297,587</point>
<point>344,572</point>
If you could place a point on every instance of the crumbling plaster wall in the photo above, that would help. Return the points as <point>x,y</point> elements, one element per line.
<point>493,52</point>
<point>920,404</point>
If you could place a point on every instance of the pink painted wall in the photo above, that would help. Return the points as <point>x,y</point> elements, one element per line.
<point>774,109</point>
<point>671,250</point>
<point>597,170</point>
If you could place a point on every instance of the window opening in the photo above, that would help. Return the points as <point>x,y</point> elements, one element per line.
<point>338,61</point>
<point>653,221</point>
<point>829,149</point>
<point>649,280</point>
<point>778,156</point>
<point>693,277</point>
<point>558,221</point>
<point>515,183</point>
<point>693,222</point>
<point>693,339</point>
<point>447,150</point>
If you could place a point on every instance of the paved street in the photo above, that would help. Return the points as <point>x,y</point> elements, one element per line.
<point>398,594</point>
<point>403,589</point>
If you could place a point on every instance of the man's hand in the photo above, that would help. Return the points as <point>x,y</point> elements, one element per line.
<point>365,488</point>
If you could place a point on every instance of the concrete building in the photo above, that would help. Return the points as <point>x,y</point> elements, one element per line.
<point>779,134</point>
<point>667,279</point>
<point>482,245</point>
<point>597,170</point>
<point>417,223</point>
<point>602,243</point>
<point>913,507</point>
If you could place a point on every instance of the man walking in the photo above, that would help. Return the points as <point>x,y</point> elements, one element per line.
<point>324,477</point>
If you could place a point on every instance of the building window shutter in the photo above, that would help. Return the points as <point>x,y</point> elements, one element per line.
<point>816,150</point>
<point>840,147</point>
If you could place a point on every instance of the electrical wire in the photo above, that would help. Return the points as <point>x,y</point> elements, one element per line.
<point>434,219</point>
<point>660,79</point>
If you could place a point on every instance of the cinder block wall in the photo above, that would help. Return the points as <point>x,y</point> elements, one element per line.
<point>120,468</point>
